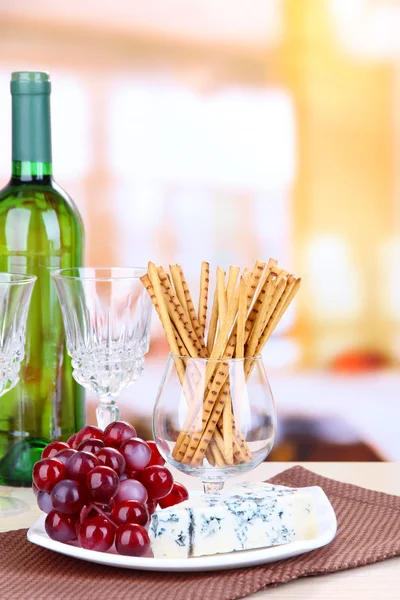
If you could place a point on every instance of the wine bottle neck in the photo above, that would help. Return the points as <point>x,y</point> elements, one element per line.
<point>31,130</point>
<point>31,171</point>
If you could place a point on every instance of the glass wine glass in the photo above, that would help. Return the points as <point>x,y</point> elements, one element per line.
<point>214,419</point>
<point>15,296</point>
<point>107,314</point>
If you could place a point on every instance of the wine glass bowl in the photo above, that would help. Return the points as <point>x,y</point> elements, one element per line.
<point>106,314</point>
<point>214,419</point>
<point>15,296</point>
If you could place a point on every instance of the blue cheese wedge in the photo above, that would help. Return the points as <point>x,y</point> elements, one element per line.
<point>253,515</point>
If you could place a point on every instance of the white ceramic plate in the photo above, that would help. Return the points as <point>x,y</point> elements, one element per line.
<point>247,558</point>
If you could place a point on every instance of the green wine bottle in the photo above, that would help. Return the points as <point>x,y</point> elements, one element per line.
<point>40,230</point>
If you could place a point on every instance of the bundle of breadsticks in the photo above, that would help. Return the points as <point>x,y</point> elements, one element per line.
<point>246,308</point>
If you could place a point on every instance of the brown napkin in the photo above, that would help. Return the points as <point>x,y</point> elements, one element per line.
<point>368,531</point>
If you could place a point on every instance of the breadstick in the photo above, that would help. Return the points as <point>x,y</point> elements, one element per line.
<point>258,298</point>
<point>231,286</point>
<point>281,310</point>
<point>203,296</point>
<point>224,331</point>
<point>192,310</point>
<point>241,451</point>
<point>182,351</point>
<point>255,278</point>
<point>272,324</point>
<point>218,457</point>
<point>262,297</point>
<point>218,397</point>
<point>217,438</point>
<point>223,372</point>
<point>242,313</point>
<point>212,328</point>
<point>158,300</point>
<point>279,290</point>
<point>252,279</point>
<point>252,285</point>
<point>179,288</point>
<point>282,306</point>
<point>238,442</point>
<point>227,416</point>
<point>261,315</point>
<point>222,301</point>
<point>271,263</point>
<point>192,345</point>
<point>197,419</point>
<point>278,270</point>
<point>145,279</point>
<point>180,319</point>
<point>178,277</point>
<point>194,415</point>
<point>182,312</point>
<point>280,286</point>
<point>227,423</point>
<point>214,405</point>
<point>210,455</point>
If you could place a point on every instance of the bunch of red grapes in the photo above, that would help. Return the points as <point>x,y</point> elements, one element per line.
<point>101,488</point>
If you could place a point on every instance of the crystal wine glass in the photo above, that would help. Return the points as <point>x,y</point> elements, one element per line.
<point>107,314</point>
<point>214,419</point>
<point>15,296</point>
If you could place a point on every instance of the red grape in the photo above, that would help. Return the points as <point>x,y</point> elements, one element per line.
<point>91,445</point>
<point>151,506</point>
<point>89,432</point>
<point>87,511</point>
<point>71,441</point>
<point>177,495</point>
<point>60,527</point>
<point>157,480</point>
<point>96,533</point>
<point>118,432</point>
<point>44,502</point>
<point>130,489</point>
<point>69,496</point>
<point>47,472</point>
<point>132,540</point>
<point>136,453</point>
<point>110,457</point>
<point>130,511</point>
<point>103,483</point>
<point>64,455</point>
<point>53,448</point>
<point>80,464</point>
<point>156,458</point>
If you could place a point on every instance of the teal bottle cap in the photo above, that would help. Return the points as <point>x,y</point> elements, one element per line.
<point>31,139</point>
<point>30,82</point>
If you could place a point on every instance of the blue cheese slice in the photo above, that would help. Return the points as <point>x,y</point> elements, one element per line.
<point>253,515</point>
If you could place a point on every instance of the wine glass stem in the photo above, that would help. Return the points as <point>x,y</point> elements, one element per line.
<point>107,412</point>
<point>213,487</point>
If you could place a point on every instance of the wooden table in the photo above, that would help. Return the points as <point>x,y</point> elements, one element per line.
<point>380,580</point>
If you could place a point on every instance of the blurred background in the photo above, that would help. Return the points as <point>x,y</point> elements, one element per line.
<point>230,130</point>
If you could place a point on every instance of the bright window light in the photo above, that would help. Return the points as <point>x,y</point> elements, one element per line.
<point>333,281</point>
<point>236,137</point>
